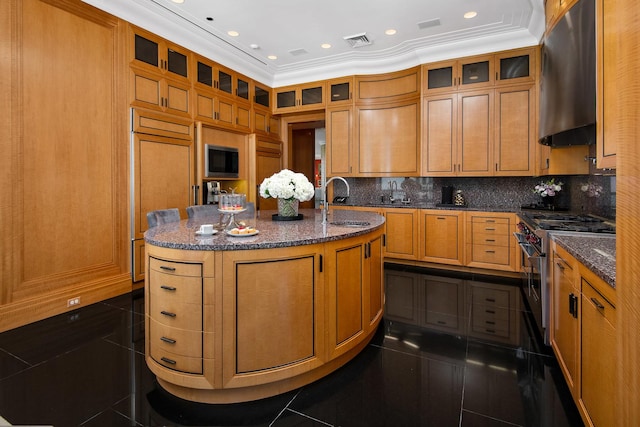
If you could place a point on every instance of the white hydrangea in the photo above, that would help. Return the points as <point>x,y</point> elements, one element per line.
<point>287,184</point>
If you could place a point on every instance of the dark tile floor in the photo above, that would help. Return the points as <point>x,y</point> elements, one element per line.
<point>87,368</point>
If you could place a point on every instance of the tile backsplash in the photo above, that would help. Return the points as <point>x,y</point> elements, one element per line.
<point>590,194</point>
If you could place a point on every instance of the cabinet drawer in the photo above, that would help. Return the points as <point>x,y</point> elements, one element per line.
<point>490,254</point>
<point>489,221</point>
<point>180,342</point>
<point>176,314</point>
<point>168,287</point>
<point>490,228</point>
<point>491,239</point>
<point>490,297</point>
<point>175,268</point>
<point>442,320</point>
<point>191,365</point>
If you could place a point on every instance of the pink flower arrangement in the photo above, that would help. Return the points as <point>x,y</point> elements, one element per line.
<point>549,188</point>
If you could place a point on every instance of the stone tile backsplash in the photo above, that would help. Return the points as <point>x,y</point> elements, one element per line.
<point>591,194</point>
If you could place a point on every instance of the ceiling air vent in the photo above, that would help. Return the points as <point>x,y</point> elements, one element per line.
<point>358,40</point>
<point>428,24</point>
<point>297,52</point>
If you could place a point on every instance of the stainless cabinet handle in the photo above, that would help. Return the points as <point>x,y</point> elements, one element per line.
<point>168,340</point>
<point>168,288</point>
<point>168,313</point>
<point>167,360</point>
<point>165,268</point>
<point>597,303</point>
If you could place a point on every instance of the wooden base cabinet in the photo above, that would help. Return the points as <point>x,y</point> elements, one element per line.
<point>442,236</point>
<point>583,337</point>
<point>598,361</point>
<point>401,233</point>
<point>489,240</point>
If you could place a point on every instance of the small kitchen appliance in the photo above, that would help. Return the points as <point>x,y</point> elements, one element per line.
<point>213,192</point>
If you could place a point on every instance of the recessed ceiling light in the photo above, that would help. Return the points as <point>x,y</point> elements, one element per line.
<point>254,46</point>
<point>390,32</point>
<point>470,15</point>
<point>272,57</point>
<point>233,33</point>
<point>325,46</point>
<point>178,1</point>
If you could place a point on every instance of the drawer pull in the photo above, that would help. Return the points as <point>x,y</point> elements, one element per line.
<point>491,331</point>
<point>489,240</point>
<point>167,360</point>
<point>165,268</point>
<point>490,252</point>
<point>168,340</point>
<point>490,229</point>
<point>489,322</point>
<point>490,299</point>
<point>441,218</point>
<point>440,322</point>
<point>168,288</point>
<point>490,311</point>
<point>168,313</point>
<point>597,303</point>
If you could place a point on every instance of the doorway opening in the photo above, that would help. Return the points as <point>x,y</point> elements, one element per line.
<point>306,143</point>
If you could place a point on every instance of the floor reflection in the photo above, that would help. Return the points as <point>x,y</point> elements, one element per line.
<point>453,350</point>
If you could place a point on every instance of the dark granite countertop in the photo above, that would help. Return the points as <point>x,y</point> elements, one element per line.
<point>596,251</point>
<point>271,234</point>
<point>417,205</point>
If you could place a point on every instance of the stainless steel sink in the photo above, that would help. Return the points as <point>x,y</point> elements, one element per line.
<point>350,223</point>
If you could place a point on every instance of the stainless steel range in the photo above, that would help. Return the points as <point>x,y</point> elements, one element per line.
<point>533,236</point>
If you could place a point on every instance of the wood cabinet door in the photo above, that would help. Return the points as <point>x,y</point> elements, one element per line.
<point>442,236</point>
<point>475,133</point>
<point>515,126</point>
<point>388,139</point>
<point>565,314</point>
<point>599,362</point>
<point>608,85</point>
<point>439,135</point>
<point>401,296</point>
<point>442,304</point>
<point>339,123</point>
<point>374,271</point>
<point>401,227</point>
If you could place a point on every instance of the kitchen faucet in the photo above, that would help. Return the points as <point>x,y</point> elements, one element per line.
<point>324,195</point>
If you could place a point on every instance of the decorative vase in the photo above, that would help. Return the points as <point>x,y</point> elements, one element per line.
<point>549,202</point>
<point>459,200</point>
<point>288,207</point>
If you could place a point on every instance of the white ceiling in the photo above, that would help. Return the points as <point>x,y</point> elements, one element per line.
<point>278,27</point>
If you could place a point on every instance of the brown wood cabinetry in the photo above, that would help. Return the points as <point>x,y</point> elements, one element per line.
<point>442,304</point>
<point>175,323</point>
<point>565,323</point>
<point>598,361</point>
<point>65,159</point>
<point>401,233</point>
<point>554,9</point>
<point>305,97</point>
<point>442,236</point>
<point>389,87</point>
<point>340,144</point>
<point>387,139</point>
<point>608,85</point>
<point>454,75</point>
<point>265,123</point>
<point>583,336</point>
<point>160,74</point>
<point>267,160</point>
<point>340,91</point>
<point>489,240</point>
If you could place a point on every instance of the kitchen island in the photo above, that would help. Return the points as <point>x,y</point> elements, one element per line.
<point>232,319</point>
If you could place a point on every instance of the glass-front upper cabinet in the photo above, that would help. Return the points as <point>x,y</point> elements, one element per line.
<point>516,66</point>
<point>152,52</point>
<point>308,96</point>
<point>466,73</point>
<point>340,91</point>
<point>261,95</point>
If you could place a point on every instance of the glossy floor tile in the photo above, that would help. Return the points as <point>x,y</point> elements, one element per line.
<point>436,360</point>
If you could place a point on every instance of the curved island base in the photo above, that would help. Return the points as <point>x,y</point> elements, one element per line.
<point>234,319</point>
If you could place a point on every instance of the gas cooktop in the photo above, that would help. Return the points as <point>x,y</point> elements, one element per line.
<point>564,221</point>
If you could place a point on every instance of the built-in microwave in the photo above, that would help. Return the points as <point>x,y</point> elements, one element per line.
<point>220,162</point>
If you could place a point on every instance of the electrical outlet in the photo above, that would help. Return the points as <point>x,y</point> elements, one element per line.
<point>73,301</point>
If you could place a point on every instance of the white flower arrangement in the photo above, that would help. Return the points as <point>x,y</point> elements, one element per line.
<point>592,189</point>
<point>549,188</point>
<point>287,184</point>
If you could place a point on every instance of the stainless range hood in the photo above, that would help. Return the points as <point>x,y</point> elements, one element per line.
<point>568,80</point>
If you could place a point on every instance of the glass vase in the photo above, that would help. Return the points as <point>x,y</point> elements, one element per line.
<point>288,207</point>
